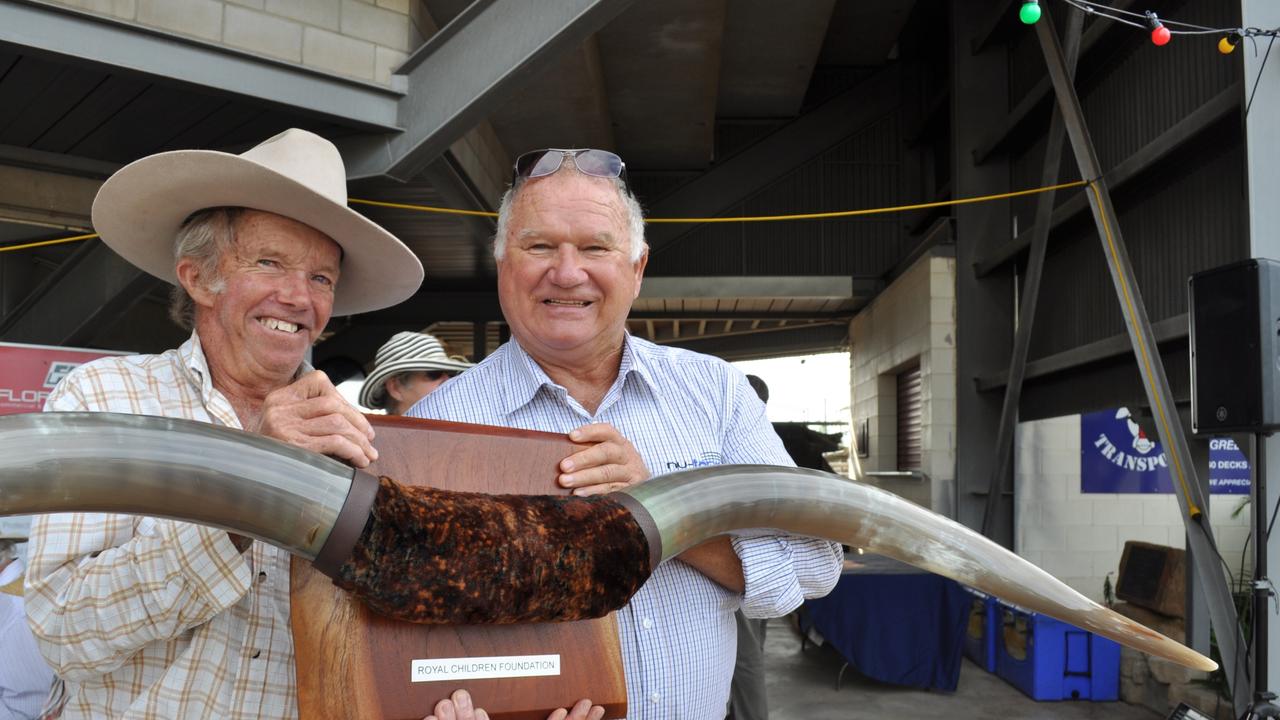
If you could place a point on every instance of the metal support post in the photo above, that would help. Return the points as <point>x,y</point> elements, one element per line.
<point>1000,479</point>
<point>1190,495</point>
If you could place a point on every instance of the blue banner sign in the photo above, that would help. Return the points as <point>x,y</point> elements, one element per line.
<point>1228,468</point>
<point>1116,456</point>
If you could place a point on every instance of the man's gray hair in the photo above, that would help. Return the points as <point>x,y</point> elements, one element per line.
<point>203,237</point>
<point>635,215</point>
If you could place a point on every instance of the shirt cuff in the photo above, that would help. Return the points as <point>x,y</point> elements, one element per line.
<point>212,564</point>
<point>771,588</point>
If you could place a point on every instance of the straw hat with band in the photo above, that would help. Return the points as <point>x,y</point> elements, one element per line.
<point>405,352</point>
<point>296,174</point>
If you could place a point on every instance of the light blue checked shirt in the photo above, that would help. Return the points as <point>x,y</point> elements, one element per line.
<point>680,409</point>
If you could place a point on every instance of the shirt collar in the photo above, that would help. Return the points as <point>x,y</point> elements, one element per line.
<point>524,377</point>
<point>197,365</point>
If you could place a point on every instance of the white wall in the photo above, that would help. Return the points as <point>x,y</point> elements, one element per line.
<point>914,318</point>
<point>1079,537</point>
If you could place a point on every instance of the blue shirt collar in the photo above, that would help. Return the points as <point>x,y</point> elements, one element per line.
<point>525,378</point>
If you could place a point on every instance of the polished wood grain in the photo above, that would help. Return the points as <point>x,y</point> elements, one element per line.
<point>354,664</point>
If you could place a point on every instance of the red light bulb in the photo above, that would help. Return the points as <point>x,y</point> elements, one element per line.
<point>1160,35</point>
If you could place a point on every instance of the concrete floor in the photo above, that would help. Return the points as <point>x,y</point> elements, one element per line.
<point>801,686</point>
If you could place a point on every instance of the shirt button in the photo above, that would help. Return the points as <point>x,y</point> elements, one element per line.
<point>256,653</point>
<point>262,577</point>
<point>654,698</point>
<point>647,623</point>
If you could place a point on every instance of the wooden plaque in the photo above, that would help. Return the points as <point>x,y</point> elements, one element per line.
<point>355,664</point>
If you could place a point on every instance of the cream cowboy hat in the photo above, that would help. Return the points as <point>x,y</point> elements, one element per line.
<point>405,352</point>
<point>296,174</point>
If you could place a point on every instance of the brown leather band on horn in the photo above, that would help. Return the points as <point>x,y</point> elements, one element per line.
<point>642,517</point>
<point>349,524</point>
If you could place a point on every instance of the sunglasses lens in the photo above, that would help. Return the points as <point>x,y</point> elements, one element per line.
<point>599,163</point>
<point>538,163</point>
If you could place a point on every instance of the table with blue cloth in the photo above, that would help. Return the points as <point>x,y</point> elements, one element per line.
<point>894,623</point>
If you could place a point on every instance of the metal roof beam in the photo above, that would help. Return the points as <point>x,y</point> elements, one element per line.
<point>752,169</point>
<point>823,287</point>
<point>464,72</point>
<point>800,340</point>
<point>105,41</point>
<point>1188,128</point>
<point>1116,346</point>
<point>1040,95</point>
<point>87,292</point>
<point>43,197</point>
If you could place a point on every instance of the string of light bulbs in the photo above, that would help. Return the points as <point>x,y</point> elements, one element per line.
<point>1161,30</point>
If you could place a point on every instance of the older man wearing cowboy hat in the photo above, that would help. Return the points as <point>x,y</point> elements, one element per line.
<point>406,369</point>
<point>145,617</point>
<point>24,676</point>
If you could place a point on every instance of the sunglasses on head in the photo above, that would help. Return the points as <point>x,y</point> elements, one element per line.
<point>596,163</point>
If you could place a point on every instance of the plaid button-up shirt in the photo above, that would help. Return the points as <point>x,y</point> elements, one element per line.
<point>151,618</point>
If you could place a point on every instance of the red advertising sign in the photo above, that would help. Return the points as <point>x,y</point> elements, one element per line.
<point>29,372</point>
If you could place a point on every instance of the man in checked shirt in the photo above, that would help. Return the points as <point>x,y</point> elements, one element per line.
<point>571,254</point>
<point>144,617</point>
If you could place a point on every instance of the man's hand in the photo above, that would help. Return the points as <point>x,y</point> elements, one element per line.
<point>611,463</point>
<point>458,707</point>
<point>310,414</point>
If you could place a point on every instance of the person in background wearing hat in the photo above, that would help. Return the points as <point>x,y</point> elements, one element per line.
<point>152,618</point>
<point>24,676</point>
<point>406,369</point>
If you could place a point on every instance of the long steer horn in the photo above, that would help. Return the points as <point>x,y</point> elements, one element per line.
<point>428,555</point>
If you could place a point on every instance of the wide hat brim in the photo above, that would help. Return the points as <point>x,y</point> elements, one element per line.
<point>140,208</point>
<point>372,392</point>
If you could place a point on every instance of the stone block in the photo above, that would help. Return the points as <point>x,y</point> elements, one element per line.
<point>1062,564</point>
<point>1075,514</point>
<point>385,61</point>
<point>337,53</point>
<point>320,13</point>
<point>384,27</point>
<point>1155,696</point>
<point>1132,692</point>
<point>1171,673</point>
<point>1133,665</point>
<point>1116,511</point>
<point>262,33</point>
<point>121,9</point>
<point>1042,538</point>
<point>400,6</point>
<point>197,18</point>
<point>1091,539</point>
<point>255,4</point>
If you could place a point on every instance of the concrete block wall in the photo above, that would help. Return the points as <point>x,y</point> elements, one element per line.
<point>1079,537</point>
<point>913,320</point>
<point>360,39</point>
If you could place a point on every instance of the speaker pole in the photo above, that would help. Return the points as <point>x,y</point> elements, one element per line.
<point>1191,497</point>
<point>1262,588</point>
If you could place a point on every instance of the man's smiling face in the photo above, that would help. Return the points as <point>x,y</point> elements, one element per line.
<point>273,296</point>
<point>566,281</point>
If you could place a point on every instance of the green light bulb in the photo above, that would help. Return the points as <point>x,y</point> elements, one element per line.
<point>1029,14</point>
